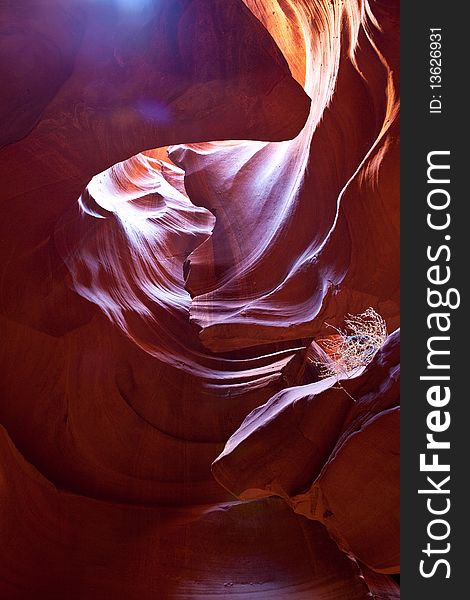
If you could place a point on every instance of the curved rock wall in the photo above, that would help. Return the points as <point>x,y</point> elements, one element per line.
<point>193,191</point>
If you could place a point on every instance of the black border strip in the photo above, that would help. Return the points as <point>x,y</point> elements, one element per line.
<point>423,132</point>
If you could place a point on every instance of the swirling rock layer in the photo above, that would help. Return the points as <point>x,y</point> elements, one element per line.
<point>191,191</point>
<point>331,451</point>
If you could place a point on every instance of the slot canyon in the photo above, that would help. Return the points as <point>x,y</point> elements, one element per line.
<point>195,195</point>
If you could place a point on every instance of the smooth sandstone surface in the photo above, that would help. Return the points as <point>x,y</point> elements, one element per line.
<point>191,192</point>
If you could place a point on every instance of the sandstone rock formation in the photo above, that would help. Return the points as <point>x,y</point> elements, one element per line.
<point>333,456</point>
<point>191,190</point>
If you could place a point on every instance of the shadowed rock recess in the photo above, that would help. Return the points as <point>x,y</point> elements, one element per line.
<point>193,194</point>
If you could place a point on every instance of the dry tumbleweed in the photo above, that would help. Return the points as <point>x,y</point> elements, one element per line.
<point>353,347</point>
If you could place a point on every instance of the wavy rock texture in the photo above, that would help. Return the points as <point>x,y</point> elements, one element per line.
<point>190,190</point>
<point>333,456</point>
<point>320,195</point>
<point>81,548</point>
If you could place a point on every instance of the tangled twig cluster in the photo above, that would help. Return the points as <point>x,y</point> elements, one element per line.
<point>353,347</point>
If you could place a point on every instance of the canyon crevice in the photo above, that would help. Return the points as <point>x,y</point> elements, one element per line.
<point>194,193</point>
